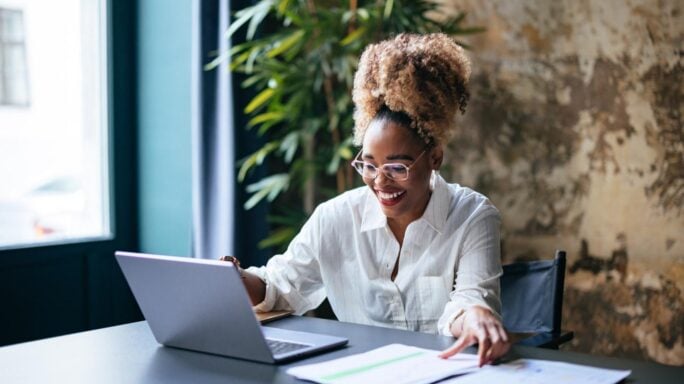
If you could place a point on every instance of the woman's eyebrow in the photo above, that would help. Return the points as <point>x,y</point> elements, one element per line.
<point>400,156</point>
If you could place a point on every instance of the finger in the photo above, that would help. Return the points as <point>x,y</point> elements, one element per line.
<point>457,347</point>
<point>502,331</point>
<point>488,358</point>
<point>462,343</point>
<point>504,336</point>
<point>506,344</point>
<point>483,350</point>
<point>495,342</point>
<point>494,334</point>
<point>496,351</point>
<point>483,342</point>
<point>493,353</point>
<point>499,349</point>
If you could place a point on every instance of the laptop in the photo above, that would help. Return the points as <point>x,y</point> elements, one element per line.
<point>202,305</point>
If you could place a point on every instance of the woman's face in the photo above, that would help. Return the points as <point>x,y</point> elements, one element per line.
<point>387,142</point>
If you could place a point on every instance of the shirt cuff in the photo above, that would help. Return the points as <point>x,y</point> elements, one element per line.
<point>270,297</point>
<point>446,328</point>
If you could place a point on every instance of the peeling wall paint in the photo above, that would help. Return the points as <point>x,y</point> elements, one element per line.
<point>575,131</point>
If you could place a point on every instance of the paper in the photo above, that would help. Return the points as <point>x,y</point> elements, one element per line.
<point>530,371</point>
<point>394,363</point>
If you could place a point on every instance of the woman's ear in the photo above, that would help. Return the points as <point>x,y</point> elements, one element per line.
<point>436,157</point>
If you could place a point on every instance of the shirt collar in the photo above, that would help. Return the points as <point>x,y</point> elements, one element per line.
<point>438,207</point>
<point>435,213</point>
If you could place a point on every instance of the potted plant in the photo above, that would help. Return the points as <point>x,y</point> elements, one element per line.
<point>300,57</point>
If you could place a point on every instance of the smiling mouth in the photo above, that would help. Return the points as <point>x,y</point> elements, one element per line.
<point>389,199</point>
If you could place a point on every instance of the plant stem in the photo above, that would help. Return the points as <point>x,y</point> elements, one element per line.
<point>310,183</point>
<point>353,5</point>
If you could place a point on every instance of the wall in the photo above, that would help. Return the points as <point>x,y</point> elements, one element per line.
<point>164,54</point>
<point>575,132</point>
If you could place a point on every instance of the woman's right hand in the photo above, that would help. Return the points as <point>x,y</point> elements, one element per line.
<point>256,289</point>
<point>479,325</point>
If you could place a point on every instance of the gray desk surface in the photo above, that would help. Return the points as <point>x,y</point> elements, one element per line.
<point>129,354</point>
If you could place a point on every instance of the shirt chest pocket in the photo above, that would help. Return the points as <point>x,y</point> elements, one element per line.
<point>433,296</point>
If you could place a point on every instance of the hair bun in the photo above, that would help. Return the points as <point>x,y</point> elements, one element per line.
<point>424,76</point>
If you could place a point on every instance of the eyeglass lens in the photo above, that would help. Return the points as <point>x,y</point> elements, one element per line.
<point>392,171</point>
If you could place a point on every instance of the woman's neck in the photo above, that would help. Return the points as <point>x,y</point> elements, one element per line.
<point>398,225</point>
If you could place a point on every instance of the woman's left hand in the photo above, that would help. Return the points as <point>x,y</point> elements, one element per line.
<point>479,325</point>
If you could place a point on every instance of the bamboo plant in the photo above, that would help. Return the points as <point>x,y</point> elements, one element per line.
<point>299,58</point>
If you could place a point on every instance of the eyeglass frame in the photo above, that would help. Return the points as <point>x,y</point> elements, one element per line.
<point>408,167</point>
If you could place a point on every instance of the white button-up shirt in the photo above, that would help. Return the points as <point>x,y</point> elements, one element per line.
<point>450,260</point>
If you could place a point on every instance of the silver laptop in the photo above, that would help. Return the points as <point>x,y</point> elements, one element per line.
<point>203,306</point>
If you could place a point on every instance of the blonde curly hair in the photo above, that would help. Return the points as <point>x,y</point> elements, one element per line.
<point>423,76</point>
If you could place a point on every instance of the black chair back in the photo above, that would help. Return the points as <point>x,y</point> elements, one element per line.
<point>532,295</point>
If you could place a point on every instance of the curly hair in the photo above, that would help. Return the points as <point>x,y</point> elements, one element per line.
<point>423,76</point>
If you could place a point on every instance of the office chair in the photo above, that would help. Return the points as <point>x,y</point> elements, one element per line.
<point>532,301</point>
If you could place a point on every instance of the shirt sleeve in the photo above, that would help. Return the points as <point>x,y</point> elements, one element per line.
<point>293,279</point>
<point>478,270</point>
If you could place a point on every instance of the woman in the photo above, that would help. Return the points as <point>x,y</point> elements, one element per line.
<point>410,251</point>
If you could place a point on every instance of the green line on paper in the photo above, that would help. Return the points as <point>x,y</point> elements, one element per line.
<point>368,367</point>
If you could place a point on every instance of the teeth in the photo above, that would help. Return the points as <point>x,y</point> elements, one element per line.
<point>389,196</point>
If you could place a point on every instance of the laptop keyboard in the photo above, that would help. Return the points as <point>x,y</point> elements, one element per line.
<point>279,347</point>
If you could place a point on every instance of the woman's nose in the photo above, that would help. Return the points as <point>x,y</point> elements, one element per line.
<point>381,178</point>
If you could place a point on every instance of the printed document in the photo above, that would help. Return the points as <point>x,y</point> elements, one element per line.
<point>394,363</point>
<point>528,371</point>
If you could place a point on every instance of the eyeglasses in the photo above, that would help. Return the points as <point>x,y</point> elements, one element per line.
<point>393,171</point>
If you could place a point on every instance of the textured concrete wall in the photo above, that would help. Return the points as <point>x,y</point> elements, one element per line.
<point>575,132</point>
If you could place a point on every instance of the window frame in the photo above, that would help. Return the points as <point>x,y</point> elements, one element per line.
<point>6,99</point>
<point>78,286</point>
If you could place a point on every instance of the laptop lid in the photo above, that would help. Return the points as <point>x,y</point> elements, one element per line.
<point>202,305</point>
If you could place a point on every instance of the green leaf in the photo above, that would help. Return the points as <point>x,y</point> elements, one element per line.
<point>236,62</point>
<point>266,126</point>
<point>253,55</point>
<point>267,188</point>
<point>333,165</point>
<point>388,8</point>
<point>251,81</point>
<point>281,236</point>
<point>343,152</point>
<point>255,199</point>
<point>289,146</point>
<point>215,62</point>
<point>259,100</point>
<point>353,36</point>
<point>346,153</point>
<point>258,16</point>
<point>256,158</point>
<point>286,43</point>
<point>282,6</point>
<point>346,16</point>
<point>264,117</point>
<point>245,15</point>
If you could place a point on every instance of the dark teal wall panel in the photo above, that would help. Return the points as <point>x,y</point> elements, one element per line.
<point>164,134</point>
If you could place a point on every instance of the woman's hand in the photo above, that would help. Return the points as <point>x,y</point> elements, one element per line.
<point>479,325</point>
<point>256,289</point>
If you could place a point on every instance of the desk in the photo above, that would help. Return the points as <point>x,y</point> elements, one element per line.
<point>129,354</point>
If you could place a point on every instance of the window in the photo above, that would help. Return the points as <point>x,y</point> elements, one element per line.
<point>13,76</point>
<point>54,158</point>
